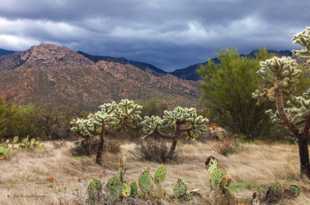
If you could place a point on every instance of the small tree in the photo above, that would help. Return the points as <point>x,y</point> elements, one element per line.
<point>175,124</point>
<point>227,88</point>
<point>280,80</point>
<point>110,118</point>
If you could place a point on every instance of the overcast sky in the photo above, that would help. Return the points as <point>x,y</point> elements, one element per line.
<point>167,33</point>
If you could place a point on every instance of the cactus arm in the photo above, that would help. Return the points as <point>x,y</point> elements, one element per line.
<point>307,127</point>
<point>283,116</point>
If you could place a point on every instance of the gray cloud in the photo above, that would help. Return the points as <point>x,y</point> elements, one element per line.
<point>170,34</point>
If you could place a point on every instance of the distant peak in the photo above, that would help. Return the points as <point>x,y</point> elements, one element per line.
<point>47,53</point>
<point>45,47</point>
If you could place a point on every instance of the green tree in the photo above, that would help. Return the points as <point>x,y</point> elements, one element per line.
<point>18,120</point>
<point>227,89</point>
<point>281,84</point>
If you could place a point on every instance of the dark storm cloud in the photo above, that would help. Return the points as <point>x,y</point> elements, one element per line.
<point>169,34</point>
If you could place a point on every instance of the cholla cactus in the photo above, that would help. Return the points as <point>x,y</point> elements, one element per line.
<point>84,127</point>
<point>280,78</point>
<point>151,124</point>
<point>111,117</point>
<point>175,124</point>
<point>125,114</point>
<point>303,39</point>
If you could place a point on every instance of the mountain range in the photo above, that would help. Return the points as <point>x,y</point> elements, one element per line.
<point>54,75</point>
<point>187,73</point>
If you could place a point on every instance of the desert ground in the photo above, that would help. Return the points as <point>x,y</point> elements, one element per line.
<point>55,177</point>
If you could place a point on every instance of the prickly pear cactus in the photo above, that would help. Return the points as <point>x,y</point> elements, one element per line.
<point>115,188</point>
<point>94,192</point>
<point>126,190</point>
<point>145,182</point>
<point>160,175</point>
<point>133,189</point>
<point>180,189</point>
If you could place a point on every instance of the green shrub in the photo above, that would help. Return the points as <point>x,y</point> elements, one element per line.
<point>17,120</point>
<point>29,120</point>
<point>227,90</point>
<point>227,146</point>
<point>154,150</point>
<point>295,190</point>
<point>238,186</point>
<point>27,143</point>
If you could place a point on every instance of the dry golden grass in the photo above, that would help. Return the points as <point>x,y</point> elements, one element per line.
<point>56,177</point>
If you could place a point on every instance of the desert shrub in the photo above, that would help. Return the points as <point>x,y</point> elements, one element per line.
<point>113,146</point>
<point>292,191</point>
<point>11,146</point>
<point>238,186</point>
<point>89,147</point>
<point>85,147</point>
<point>227,90</point>
<point>227,146</point>
<point>153,106</point>
<point>30,120</point>
<point>18,120</point>
<point>276,192</point>
<point>154,150</point>
<point>54,123</point>
<point>26,143</point>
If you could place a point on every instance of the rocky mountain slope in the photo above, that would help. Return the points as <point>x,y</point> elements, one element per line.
<point>142,65</point>
<point>54,75</point>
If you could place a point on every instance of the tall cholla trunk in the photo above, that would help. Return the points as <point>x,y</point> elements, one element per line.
<point>303,143</point>
<point>172,149</point>
<point>100,151</point>
<point>100,146</point>
<point>177,135</point>
<point>304,156</point>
